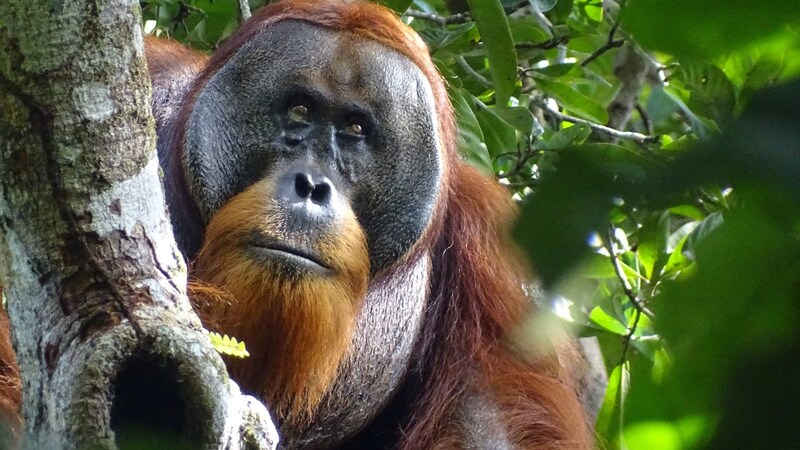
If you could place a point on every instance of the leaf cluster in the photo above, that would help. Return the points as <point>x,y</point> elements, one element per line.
<point>227,345</point>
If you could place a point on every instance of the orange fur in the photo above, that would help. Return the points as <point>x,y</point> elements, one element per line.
<point>10,384</point>
<point>297,326</point>
<point>477,306</point>
<point>167,62</point>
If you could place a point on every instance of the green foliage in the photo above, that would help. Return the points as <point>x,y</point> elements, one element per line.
<point>496,37</point>
<point>674,238</point>
<point>397,5</point>
<point>200,23</point>
<point>707,29</point>
<point>227,345</point>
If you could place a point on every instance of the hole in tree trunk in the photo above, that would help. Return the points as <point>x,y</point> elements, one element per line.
<point>149,410</point>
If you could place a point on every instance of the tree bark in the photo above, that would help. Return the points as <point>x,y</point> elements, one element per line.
<point>105,336</point>
<point>632,69</point>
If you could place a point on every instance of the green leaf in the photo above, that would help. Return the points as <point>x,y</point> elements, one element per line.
<point>598,266</point>
<point>398,5</point>
<point>704,29</point>
<point>556,221</point>
<point>699,127</point>
<point>652,246</point>
<point>593,10</point>
<point>227,345</point>
<point>500,136</point>
<point>217,7</point>
<point>558,70</point>
<point>755,68</point>
<point>653,435</point>
<point>582,105</point>
<point>690,211</point>
<point>564,138</point>
<point>741,301</point>
<point>496,35</point>
<point>708,225</point>
<point>521,119</point>
<point>607,322</point>
<point>711,94</point>
<point>469,132</point>
<point>677,260</point>
<point>457,39</point>
<point>632,166</point>
<point>527,29</point>
<point>560,12</point>
<point>609,419</point>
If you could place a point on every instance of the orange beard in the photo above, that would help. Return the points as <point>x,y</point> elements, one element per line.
<point>297,324</point>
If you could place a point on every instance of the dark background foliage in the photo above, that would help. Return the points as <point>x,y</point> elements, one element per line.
<point>654,148</point>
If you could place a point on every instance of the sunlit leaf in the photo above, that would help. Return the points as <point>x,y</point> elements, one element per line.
<point>227,345</point>
<point>652,247</point>
<point>573,100</point>
<point>607,322</point>
<point>609,420</point>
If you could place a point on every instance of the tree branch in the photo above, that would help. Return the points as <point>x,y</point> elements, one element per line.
<point>546,45</point>
<point>627,135</point>
<point>648,125</point>
<point>441,20</point>
<point>631,69</point>
<point>244,11</point>
<point>610,43</point>
<point>637,302</point>
<point>93,277</point>
<point>472,72</point>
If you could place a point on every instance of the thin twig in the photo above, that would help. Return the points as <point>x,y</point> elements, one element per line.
<point>472,72</point>
<point>543,21</point>
<point>441,20</point>
<point>545,45</point>
<point>244,11</point>
<point>629,335</point>
<point>606,47</point>
<point>627,135</point>
<point>520,184</point>
<point>637,302</point>
<point>646,123</point>
<point>522,158</point>
<point>612,42</point>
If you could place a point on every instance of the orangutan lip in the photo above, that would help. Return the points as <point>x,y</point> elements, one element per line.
<point>286,252</point>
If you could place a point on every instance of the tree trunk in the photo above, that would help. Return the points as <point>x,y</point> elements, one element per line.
<point>106,339</point>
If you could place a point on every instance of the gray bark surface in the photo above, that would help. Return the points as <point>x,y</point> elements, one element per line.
<point>94,282</point>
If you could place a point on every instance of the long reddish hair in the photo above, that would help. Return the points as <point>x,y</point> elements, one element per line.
<point>477,301</point>
<point>10,385</point>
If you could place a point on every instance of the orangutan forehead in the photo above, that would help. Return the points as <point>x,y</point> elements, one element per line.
<point>340,64</point>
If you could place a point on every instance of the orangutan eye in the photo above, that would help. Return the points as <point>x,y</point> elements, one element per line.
<point>298,113</point>
<point>355,129</point>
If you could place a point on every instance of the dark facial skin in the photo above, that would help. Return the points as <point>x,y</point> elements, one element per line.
<point>330,105</point>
